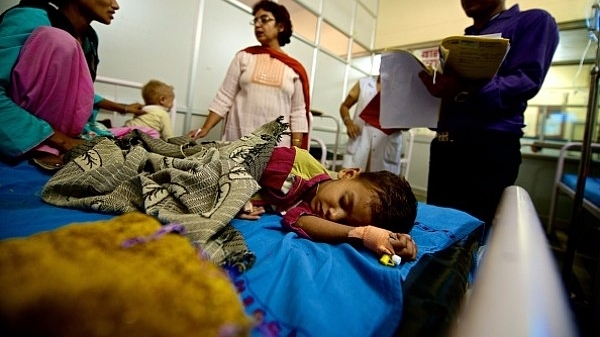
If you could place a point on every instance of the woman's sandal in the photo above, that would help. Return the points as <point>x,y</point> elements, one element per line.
<point>47,161</point>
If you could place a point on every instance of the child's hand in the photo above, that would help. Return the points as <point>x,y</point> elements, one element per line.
<point>404,246</point>
<point>382,241</point>
<point>250,212</point>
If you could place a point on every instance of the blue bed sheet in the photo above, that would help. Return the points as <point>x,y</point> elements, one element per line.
<point>299,287</point>
<point>22,208</point>
<point>592,187</point>
<point>296,286</point>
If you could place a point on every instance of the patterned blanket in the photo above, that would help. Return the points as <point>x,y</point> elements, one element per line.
<point>200,186</point>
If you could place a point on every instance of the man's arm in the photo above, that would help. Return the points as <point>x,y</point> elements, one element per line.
<point>526,64</point>
<point>520,77</point>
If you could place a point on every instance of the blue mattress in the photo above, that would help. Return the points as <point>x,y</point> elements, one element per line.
<point>296,286</point>
<point>592,187</point>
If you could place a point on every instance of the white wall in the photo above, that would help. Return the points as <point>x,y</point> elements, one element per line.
<point>189,43</point>
<point>402,23</point>
<point>193,54</point>
<point>6,4</point>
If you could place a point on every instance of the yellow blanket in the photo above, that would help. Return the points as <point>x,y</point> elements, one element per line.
<point>80,281</point>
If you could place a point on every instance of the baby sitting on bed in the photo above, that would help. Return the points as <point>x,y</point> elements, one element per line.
<point>159,98</point>
<point>375,208</point>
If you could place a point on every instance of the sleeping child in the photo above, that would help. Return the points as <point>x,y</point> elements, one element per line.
<point>377,209</point>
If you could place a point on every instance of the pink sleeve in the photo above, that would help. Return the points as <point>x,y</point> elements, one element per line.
<point>291,217</point>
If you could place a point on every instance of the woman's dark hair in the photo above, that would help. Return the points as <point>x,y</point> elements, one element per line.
<point>281,15</point>
<point>40,3</point>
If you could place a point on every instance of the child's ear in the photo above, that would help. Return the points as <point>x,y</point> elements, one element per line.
<point>349,173</point>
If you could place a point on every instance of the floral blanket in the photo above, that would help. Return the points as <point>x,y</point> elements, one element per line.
<point>199,186</point>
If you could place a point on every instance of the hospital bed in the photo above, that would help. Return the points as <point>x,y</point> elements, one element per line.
<point>305,288</point>
<point>293,287</point>
<point>296,286</point>
<point>565,183</point>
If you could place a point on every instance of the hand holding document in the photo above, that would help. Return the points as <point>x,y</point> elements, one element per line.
<point>473,57</point>
<point>406,103</point>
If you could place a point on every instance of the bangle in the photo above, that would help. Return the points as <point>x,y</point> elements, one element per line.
<point>346,119</point>
<point>296,141</point>
<point>124,109</point>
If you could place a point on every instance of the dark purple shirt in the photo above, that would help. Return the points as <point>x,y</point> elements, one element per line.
<point>500,104</point>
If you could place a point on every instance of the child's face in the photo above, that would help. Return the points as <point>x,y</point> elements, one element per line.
<point>345,200</point>
<point>167,99</point>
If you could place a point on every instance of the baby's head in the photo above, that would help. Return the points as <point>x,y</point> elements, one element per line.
<point>380,199</point>
<point>158,93</point>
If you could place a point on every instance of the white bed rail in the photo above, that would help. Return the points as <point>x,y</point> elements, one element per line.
<point>517,290</point>
<point>335,130</point>
<point>121,83</point>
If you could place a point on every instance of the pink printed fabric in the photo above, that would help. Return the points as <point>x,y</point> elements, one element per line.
<point>52,81</point>
<point>121,131</point>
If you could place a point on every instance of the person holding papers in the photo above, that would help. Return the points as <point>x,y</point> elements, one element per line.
<point>370,147</point>
<point>476,152</point>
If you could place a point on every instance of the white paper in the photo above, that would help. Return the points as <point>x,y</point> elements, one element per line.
<point>405,101</point>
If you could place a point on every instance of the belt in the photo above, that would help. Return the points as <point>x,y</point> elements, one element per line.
<point>443,137</point>
<point>483,135</point>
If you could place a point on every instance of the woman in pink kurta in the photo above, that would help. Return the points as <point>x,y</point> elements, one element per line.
<point>263,83</point>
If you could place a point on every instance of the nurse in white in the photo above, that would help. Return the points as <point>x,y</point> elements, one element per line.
<point>370,147</point>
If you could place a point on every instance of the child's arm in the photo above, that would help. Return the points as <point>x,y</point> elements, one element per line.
<point>380,241</point>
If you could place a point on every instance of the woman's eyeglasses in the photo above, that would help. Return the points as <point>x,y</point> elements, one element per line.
<point>263,20</point>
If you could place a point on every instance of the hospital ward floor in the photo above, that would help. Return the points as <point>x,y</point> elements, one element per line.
<point>585,281</point>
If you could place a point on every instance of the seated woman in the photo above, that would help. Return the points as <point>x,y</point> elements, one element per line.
<point>48,62</point>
